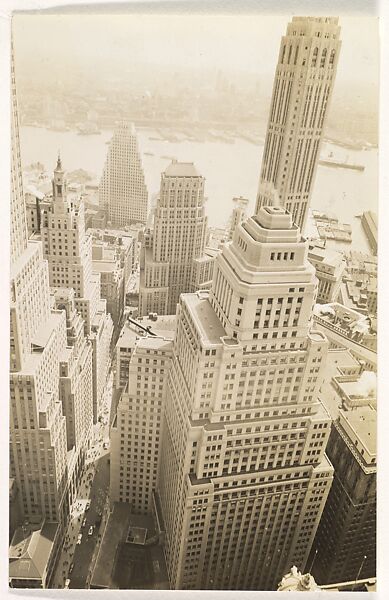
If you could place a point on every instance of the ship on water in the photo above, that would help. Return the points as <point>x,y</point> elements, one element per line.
<point>332,162</point>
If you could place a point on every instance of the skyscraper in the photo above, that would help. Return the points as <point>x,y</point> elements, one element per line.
<point>123,192</point>
<point>170,250</point>
<point>302,91</point>
<point>244,476</point>
<point>68,249</point>
<point>38,449</point>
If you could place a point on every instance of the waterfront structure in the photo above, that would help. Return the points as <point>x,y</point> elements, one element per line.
<point>68,249</point>
<point>330,266</point>
<point>244,476</point>
<point>177,240</point>
<point>303,84</point>
<point>38,448</point>
<point>370,226</point>
<point>123,193</point>
<point>344,548</point>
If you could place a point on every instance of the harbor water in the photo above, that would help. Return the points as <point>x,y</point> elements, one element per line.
<point>230,169</point>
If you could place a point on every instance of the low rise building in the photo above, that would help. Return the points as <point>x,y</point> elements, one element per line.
<point>32,555</point>
<point>347,328</point>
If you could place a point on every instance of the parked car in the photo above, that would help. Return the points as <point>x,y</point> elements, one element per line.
<point>90,531</point>
<point>87,506</point>
<point>105,446</point>
<point>83,522</point>
<point>79,538</point>
<point>71,568</point>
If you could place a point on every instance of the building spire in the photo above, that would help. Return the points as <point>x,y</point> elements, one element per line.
<point>59,163</point>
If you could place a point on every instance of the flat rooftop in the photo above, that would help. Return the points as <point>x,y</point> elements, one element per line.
<point>128,557</point>
<point>205,318</point>
<point>181,169</point>
<point>363,423</point>
<point>164,326</point>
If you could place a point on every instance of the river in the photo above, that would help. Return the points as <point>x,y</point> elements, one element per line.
<point>230,169</point>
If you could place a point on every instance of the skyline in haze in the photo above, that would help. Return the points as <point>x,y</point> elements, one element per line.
<point>234,44</point>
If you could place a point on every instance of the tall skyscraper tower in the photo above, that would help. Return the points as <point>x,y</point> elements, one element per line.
<point>38,459</point>
<point>177,240</point>
<point>68,249</point>
<point>123,192</point>
<point>302,91</point>
<point>244,477</point>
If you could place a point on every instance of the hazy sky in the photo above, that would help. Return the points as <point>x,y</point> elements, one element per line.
<point>238,42</point>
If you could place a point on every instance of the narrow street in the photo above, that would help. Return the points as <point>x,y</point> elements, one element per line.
<point>75,561</point>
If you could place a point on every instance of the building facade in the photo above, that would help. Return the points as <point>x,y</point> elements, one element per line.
<point>303,84</point>
<point>136,434</point>
<point>38,462</point>
<point>330,267</point>
<point>123,193</point>
<point>177,240</point>
<point>68,249</point>
<point>244,477</point>
<point>345,544</point>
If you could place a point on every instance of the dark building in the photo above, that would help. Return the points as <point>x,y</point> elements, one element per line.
<point>344,548</point>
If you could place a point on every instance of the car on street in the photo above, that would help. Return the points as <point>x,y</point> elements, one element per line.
<point>71,568</point>
<point>90,530</point>
<point>79,538</point>
<point>83,522</point>
<point>87,506</point>
<point>105,446</point>
<point>67,583</point>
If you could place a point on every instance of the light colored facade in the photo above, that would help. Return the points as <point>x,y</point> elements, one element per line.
<point>162,326</point>
<point>123,192</point>
<point>330,267</point>
<point>68,249</point>
<point>347,328</point>
<point>38,460</point>
<point>238,215</point>
<point>106,262</point>
<point>302,91</point>
<point>76,378</point>
<point>244,477</point>
<point>137,431</point>
<point>170,250</point>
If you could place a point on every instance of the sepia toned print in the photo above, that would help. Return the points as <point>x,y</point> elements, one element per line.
<point>193,348</point>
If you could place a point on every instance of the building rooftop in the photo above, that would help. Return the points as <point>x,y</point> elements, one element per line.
<point>181,169</point>
<point>30,550</point>
<point>126,559</point>
<point>204,316</point>
<point>360,424</point>
<point>164,326</point>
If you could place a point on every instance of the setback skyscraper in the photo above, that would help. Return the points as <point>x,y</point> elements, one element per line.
<point>172,257</point>
<point>38,448</point>
<point>123,193</point>
<point>68,249</point>
<point>302,91</point>
<point>244,477</point>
